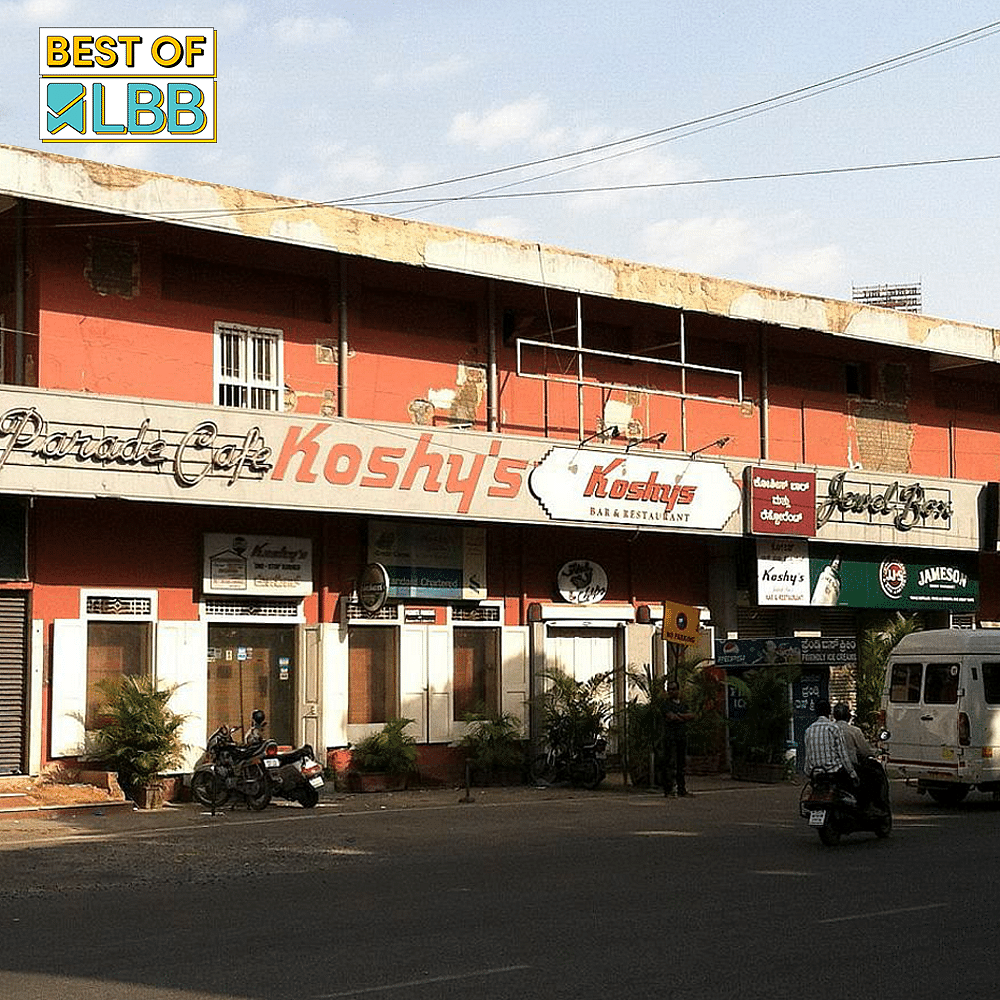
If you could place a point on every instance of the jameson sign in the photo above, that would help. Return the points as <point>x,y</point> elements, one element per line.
<point>911,579</point>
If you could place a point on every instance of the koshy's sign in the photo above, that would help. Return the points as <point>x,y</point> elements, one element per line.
<point>72,444</point>
<point>260,565</point>
<point>606,487</point>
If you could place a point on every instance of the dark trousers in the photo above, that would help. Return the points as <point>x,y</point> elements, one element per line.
<point>672,763</point>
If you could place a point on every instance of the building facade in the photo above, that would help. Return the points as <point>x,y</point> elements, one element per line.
<point>348,468</point>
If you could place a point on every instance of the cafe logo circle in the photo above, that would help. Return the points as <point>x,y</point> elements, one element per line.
<point>892,577</point>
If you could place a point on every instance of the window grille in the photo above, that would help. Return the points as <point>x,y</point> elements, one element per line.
<point>228,609</point>
<point>489,613</point>
<point>248,370</point>
<point>116,606</point>
<point>355,612</point>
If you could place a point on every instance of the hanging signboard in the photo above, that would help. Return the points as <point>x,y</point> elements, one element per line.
<point>681,623</point>
<point>257,565</point>
<point>629,490</point>
<point>444,561</point>
<point>780,502</point>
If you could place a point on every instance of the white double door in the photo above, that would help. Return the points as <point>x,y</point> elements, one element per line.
<point>425,681</point>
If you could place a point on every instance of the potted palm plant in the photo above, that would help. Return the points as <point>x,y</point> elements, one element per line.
<point>384,761</point>
<point>760,735</point>
<point>495,748</point>
<point>139,736</point>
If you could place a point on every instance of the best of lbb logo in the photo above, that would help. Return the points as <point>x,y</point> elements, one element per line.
<point>127,84</point>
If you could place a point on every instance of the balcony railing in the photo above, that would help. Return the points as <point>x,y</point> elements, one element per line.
<point>18,357</point>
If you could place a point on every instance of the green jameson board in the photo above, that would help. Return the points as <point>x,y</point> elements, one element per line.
<point>907,579</point>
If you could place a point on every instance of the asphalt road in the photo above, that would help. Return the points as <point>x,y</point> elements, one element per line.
<point>519,893</point>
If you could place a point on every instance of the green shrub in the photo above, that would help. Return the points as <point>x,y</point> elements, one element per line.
<point>390,751</point>
<point>494,743</point>
<point>140,736</point>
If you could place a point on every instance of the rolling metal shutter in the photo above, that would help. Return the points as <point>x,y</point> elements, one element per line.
<point>13,685</point>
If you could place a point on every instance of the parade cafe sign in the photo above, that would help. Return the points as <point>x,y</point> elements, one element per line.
<point>72,444</point>
<point>64,444</point>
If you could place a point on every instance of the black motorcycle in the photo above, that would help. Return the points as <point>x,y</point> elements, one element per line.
<point>834,810</point>
<point>231,772</point>
<point>295,775</point>
<point>582,765</point>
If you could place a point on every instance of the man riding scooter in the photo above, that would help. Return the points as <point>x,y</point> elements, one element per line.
<point>871,780</point>
<point>826,750</point>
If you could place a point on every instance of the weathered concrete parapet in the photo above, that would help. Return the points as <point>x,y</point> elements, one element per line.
<point>64,180</point>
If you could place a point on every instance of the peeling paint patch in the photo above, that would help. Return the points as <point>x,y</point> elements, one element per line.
<point>522,263</point>
<point>793,310</point>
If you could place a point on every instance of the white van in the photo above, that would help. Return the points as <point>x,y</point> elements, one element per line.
<point>942,710</point>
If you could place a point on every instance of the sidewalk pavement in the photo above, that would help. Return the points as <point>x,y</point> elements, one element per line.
<point>42,824</point>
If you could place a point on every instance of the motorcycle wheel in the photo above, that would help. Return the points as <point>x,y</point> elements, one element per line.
<point>258,792</point>
<point>587,773</point>
<point>209,789</point>
<point>829,835</point>
<point>542,771</point>
<point>307,796</point>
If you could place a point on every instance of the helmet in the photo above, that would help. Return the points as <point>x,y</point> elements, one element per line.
<point>257,717</point>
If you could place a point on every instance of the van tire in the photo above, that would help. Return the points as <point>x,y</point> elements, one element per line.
<point>950,795</point>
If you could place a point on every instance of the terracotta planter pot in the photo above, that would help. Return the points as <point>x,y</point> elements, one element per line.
<point>376,781</point>
<point>148,796</point>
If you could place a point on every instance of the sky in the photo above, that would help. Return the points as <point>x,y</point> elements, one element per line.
<point>756,118</point>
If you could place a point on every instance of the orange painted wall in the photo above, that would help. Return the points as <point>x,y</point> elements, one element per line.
<point>417,335</point>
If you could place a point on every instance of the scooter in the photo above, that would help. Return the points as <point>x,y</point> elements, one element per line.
<point>834,812</point>
<point>295,774</point>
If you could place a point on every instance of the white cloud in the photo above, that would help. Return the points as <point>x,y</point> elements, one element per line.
<point>776,251</point>
<point>332,170</point>
<point>309,30</point>
<point>427,74</point>
<point>40,12</point>
<point>510,226</point>
<point>518,121</point>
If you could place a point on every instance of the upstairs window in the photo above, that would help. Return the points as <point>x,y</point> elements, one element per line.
<point>248,370</point>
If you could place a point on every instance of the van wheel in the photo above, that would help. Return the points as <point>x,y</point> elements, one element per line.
<point>949,796</point>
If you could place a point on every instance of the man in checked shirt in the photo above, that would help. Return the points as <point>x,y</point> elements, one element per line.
<point>826,749</point>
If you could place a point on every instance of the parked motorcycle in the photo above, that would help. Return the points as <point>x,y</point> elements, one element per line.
<point>834,812</point>
<point>230,771</point>
<point>582,765</point>
<point>295,774</point>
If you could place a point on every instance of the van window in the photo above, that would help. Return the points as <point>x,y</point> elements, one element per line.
<point>941,684</point>
<point>991,683</point>
<point>904,684</point>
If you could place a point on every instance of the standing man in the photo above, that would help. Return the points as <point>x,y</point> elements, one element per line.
<point>676,716</point>
<point>826,749</point>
